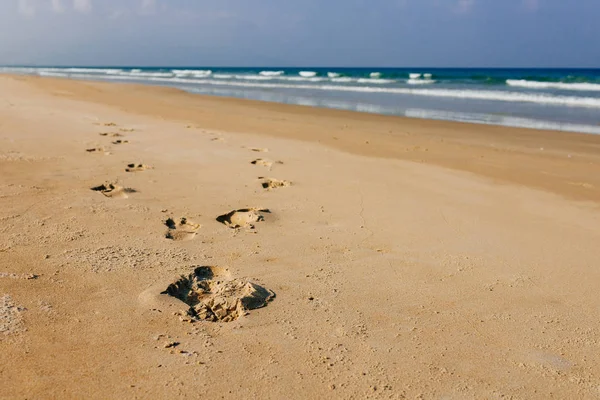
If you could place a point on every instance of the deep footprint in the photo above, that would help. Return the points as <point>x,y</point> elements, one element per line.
<point>113,190</point>
<point>120,141</point>
<point>265,163</point>
<point>243,218</point>
<point>110,134</point>
<point>96,150</point>
<point>137,167</point>
<point>212,295</point>
<point>182,230</point>
<point>272,183</point>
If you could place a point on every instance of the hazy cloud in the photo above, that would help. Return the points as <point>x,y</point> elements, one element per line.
<point>531,5</point>
<point>57,6</point>
<point>26,8</point>
<point>465,5</point>
<point>83,6</point>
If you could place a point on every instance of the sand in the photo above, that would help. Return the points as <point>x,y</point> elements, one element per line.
<point>398,258</point>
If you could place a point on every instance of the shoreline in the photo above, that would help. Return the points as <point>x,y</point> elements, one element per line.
<point>566,163</point>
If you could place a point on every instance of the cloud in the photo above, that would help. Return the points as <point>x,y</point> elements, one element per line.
<point>148,6</point>
<point>57,6</point>
<point>26,8</point>
<point>465,5</point>
<point>531,5</point>
<point>83,6</point>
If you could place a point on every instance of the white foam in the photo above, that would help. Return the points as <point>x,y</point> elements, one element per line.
<point>375,75</point>
<point>590,87</point>
<point>192,72</point>
<point>419,81</point>
<point>145,74</point>
<point>378,81</point>
<point>307,74</point>
<point>223,76</point>
<point>271,73</point>
<point>343,80</point>
<point>414,76</point>
<point>469,94</point>
<point>427,76</point>
<point>333,75</point>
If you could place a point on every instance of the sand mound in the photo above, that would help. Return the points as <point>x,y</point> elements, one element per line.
<point>113,190</point>
<point>214,296</point>
<point>243,218</point>
<point>182,230</point>
<point>272,183</point>
<point>137,167</point>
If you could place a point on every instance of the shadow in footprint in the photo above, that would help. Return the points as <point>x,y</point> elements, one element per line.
<point>110,134</point>
<point>212,295</point>
<point>243,218</point>
<point>113,190</point>
<point>120,141</point>
<point>184,229</point>
<point>264,162</point>
<point>272,183</point>
<point>137,167</point>
<point>96,150</point>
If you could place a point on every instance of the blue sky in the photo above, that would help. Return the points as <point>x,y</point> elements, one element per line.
<point>436,33</point>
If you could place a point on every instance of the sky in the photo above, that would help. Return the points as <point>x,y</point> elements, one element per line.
<point>383,33</point>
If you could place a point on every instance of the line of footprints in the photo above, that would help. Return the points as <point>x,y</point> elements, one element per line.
<point>183,228</point>
<point>209,293</point>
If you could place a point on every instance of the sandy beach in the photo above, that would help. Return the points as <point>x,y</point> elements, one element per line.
<point>333,254</point>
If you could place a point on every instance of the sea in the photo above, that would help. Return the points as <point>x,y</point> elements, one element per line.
<point>554,99</point>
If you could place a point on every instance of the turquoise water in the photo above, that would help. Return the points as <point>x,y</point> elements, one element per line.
<point>560,99</point>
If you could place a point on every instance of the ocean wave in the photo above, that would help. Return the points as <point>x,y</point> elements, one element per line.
<point>589,87</point>
<point>419,81</point>
<point>223,76</point>
<point>192,72</point>
<point>271,73</point>
<point>378,81</point>
<point>414,76</point>
<point>469,94</point>
<point>307,74</point>
<point>344,79</point>
<point>375,75</point>
<point>145,74</point>
<point>333,75</point>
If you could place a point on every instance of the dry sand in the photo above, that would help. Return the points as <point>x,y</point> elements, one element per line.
<point>408,259</point>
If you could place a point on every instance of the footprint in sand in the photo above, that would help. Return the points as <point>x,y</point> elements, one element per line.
<point>120,141</point>
<point>113,190</point>
<point>264,162</point>
<point>97,150</point>
<point>126,129</point>
<point>257,149</point>
<point>243,218</point>
<point>110,134</point>
<point>137,167</point>
<point>213,295</point>
<point>109,124</point>
<point>182,230</point>
<point>272,183</point>
<point>217,139</point>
